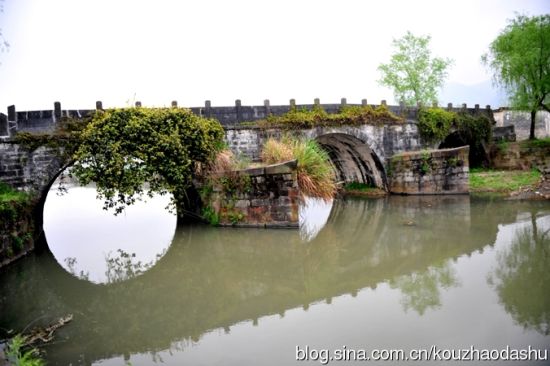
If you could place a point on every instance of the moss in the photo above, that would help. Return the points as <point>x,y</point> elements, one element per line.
<point>317,116</point>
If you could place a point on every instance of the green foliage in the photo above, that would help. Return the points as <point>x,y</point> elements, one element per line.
<point>412,73</point>
<point>348,115</point>
<point>210,215</point>
<point>434,124</point>
<point>502,181</point>
<point>19,357</point>
<point>520,60</point>
<point>121,150</point>
<point>425,164</point>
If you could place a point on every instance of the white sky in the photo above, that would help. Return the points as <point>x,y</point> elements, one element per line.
<point>80,51</point>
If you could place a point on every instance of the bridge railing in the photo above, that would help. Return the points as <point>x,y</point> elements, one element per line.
<point>44,121</point>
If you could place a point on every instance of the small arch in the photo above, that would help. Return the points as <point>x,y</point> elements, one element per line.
<point>478,156</point>
<point>353,160</point>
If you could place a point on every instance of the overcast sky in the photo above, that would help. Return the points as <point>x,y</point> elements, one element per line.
<point>121,51</point>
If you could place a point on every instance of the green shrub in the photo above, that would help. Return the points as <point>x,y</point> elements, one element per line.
<point>122,149</point>
<point>434,124</point>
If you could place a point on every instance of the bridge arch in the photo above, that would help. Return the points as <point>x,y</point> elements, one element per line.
<point>353,159</point>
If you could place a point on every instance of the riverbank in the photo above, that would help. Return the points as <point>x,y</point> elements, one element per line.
<point>515,184</point>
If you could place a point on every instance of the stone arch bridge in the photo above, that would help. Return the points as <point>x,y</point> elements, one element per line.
<point>358,153</point>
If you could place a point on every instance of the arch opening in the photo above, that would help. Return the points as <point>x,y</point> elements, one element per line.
<point>353,160</point>
<point>477,157</point>
<point>95,245</point>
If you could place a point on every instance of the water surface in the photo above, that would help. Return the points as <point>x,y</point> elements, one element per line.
<point>396,272</point>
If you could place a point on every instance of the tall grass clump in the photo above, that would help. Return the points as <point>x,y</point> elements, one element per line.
<point>314,172</point>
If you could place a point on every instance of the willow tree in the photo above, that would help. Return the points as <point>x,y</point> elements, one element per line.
<point>412,73</point>
<point>131,151</point>
<point>520,60</point>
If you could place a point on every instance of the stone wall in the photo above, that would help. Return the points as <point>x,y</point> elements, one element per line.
<point>521,121</point>
<point>29,170</point>
<point>443,171</point>
<point>520,155</point>
<point>385,140</point>
<point>268,199</point>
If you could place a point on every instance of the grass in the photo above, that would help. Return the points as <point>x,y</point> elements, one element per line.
<point>362,189</point>
<point>483,180</point>
<point>9,194</point>
<point>538,143</point>
<point>314,172</point>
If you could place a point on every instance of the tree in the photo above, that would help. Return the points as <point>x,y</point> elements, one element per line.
<point>520,59</point>
<point>412,73</point>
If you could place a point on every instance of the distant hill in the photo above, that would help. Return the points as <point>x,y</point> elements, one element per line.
<point>481,93</point>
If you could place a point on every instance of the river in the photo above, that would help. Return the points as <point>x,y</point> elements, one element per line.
<point>395,273</point>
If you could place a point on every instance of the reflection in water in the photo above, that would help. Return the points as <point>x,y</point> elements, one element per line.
<point>421,290</point>
<point>522,276</point>
<point>314,214</point>
<point>83,236</point>
<point>123,266</point>
<point>249,296</point>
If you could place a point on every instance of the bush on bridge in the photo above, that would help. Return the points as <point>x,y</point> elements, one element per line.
<point>122,150</point>
<point>435,124</point>
<point>317,116</point>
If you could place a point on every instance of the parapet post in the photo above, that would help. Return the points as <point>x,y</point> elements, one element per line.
<point>56,111</point>
<point>238,110</point>
<point>343,102</point>
<point>449,107</point>
<point>364,102</point>
<point>12,120</point>
<point>174,104</point>
<point>12,116</point>
<point>207,108</point>
<point>267,107</point>
<point>138,104</point>
<point>383,102</point>
<point>476,107</point>
<point>464,106</point>
<point>98,105</point>
<point>293,104</point>
<point>316,102</point>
